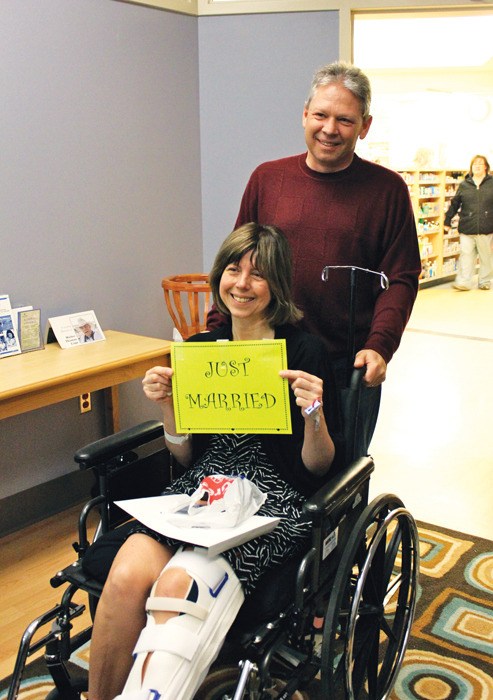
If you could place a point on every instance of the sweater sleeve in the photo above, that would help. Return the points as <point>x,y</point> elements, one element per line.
<point>402,265</point>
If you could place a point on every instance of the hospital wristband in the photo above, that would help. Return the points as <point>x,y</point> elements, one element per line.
<point>314,412</point>
<point>176,439</point>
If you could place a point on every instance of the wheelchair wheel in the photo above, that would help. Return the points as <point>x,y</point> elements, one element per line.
<point>372,603</point>
<point>79,687</point>
<point>222,685</point>
<point>219,684</point>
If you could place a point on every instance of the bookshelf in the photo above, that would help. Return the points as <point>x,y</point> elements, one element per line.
<point>431,192</point>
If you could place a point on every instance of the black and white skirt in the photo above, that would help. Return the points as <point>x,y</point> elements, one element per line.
<point>242,455</point>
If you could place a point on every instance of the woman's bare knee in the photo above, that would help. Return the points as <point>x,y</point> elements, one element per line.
<point>173,583</point>
<point>136,567</point>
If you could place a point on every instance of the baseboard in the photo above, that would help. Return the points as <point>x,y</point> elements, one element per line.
<point>435,281</point>
<point>39,502</point>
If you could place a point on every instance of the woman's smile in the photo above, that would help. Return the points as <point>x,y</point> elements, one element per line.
<point>241,300</point>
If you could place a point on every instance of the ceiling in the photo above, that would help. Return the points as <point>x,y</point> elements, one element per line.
<point>448,51</point>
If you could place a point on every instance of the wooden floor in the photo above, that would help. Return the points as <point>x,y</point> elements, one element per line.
<point>28,559</point>
<point>432,447</point>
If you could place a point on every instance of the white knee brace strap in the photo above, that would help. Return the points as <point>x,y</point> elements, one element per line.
<point>182,649</point>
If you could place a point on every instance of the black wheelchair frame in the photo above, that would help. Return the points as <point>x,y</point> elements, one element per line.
<point>344,613</point>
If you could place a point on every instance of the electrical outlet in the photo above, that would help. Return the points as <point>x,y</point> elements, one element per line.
<point>85,402</point>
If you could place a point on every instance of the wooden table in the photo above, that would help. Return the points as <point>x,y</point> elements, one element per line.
<point>44,377</point>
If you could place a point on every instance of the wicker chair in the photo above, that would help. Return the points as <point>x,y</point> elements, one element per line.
<point>188,298</point>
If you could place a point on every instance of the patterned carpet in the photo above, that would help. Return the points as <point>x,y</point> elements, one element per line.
<point>450,653</point>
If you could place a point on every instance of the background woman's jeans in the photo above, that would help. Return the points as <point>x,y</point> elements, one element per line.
<point>472,246</point>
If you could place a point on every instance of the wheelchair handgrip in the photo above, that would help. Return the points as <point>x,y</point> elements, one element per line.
<point>100,451</point>
<point>356,379</point>
<point>329,496</point>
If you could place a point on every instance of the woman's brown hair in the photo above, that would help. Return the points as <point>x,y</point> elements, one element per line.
<point>270,250</point>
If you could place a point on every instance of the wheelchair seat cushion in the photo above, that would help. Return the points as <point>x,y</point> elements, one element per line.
<point>274,592</point>
<point>99,556</point>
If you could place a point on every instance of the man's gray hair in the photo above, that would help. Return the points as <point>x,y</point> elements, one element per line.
<point>347,75</point>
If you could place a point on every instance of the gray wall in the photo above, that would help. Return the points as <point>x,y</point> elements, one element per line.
<point>127,136</point>
<point>255,72</point>
<point>99,188</point>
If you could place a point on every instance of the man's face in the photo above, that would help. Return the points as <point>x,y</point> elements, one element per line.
<point>333,124</point>
<point>86,329</point>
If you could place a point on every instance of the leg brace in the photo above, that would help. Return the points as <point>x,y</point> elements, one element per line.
<point>180,651</point>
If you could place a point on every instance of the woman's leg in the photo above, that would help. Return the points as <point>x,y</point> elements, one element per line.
<point>483,243</point>
<point>467,262</point>
<point>120,615</point>
<point>182,637</point>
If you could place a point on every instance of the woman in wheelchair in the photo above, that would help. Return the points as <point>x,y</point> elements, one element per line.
<point>172,606</point>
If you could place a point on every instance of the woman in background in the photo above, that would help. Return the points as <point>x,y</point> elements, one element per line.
<point>473,201</point>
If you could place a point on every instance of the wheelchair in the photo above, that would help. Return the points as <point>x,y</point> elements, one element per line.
<point>340,614</point>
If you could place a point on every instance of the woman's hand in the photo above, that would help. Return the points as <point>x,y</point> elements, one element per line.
<point>318,449</point>
<point>157,387</point>
<point>157,384</point>
<point>306,387</point>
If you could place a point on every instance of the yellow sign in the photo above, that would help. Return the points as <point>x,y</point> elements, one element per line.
<point>231,387</point>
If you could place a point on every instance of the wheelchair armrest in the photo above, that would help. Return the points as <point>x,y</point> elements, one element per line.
<point>335,492</point>
<point>105,449</point>
<point>74,574</point>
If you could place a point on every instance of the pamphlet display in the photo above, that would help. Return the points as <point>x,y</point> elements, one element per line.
<point>20,329</point>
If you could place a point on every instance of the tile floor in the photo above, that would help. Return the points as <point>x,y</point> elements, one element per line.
<point>433,445</point>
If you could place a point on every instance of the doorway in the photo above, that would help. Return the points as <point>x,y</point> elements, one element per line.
<point>432,81</point>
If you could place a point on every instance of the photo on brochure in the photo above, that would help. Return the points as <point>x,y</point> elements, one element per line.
<point>87,328</point>
<point>9,341</point>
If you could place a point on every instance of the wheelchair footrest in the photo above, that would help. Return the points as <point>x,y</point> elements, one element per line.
<point>42,620</point>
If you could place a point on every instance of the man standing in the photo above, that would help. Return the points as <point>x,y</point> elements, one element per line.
<point>339,210</point>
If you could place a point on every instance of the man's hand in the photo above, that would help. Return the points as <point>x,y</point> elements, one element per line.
<point>376,367</point>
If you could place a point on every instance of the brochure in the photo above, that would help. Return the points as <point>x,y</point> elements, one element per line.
<point>29,328</point>
<point>9,340</point>
<point>75,329</point>
<point>153,512</point>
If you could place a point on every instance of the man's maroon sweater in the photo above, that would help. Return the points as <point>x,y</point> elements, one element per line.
<point>361,216</point>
